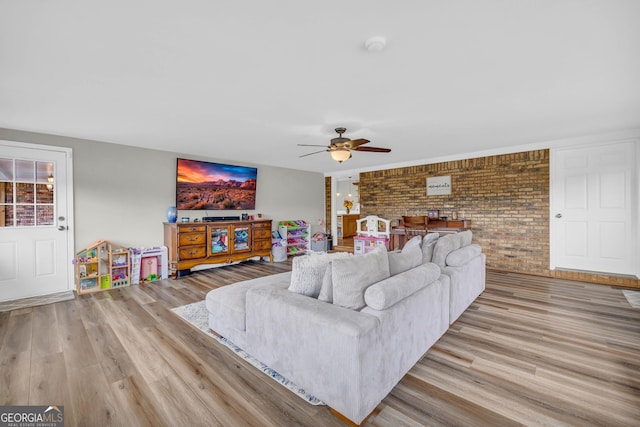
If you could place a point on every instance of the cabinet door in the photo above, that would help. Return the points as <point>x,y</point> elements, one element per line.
<point>219,240</point>
<point>241,238</point>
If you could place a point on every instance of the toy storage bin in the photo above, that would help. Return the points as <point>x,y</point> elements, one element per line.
<point>279,253</point>
<point>319,246</point>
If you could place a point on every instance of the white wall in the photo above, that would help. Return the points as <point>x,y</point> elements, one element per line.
<point>122,193</point>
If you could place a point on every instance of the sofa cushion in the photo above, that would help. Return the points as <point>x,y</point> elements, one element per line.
<point>227,303</point>
<point>427,251</point>
<point>414,241</point>
<point>326,292</point>
<point>444,245</point>
<point>461,256</point>
<point>388,292</point>
<point>352,276</point>
<point>430,237</point>
<point>407,259</point>
<point>308,272</point>
<point>465,238</point>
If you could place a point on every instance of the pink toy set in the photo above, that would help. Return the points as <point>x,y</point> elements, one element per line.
<point>375,234</point>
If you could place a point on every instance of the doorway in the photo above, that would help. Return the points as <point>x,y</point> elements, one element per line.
<point>36,233</point>
<point>345,194</point>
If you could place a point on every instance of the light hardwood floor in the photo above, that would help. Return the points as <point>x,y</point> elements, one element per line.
<point>529,351</point>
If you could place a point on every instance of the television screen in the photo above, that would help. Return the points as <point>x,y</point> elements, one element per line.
<point>204,185</point>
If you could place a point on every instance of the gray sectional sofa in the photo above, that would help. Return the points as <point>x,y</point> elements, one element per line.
<point>348,328</point>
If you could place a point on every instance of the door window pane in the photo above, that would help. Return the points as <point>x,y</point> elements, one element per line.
<point>44,172</point>
<point>24,170</point>
<point>24,193</point>
<point>6,192</point>
<point>6,169</point>
<point>44,214</point>
<point>6,215</point>
<point>25,215</point>
<point>44,194</point>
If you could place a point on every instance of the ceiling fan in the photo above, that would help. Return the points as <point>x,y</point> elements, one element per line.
<point>340,147</point>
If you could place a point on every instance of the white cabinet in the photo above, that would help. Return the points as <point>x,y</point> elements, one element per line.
<point>297,234</point>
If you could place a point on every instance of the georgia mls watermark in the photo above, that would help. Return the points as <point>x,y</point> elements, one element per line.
<point>32,416</point>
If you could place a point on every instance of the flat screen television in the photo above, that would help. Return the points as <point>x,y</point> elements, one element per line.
<point>215,186</point>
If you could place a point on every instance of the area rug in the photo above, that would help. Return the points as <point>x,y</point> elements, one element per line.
<point>633,297</point>
<point>197,315</point>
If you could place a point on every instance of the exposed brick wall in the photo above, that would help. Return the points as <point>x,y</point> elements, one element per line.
<point>506,198</point>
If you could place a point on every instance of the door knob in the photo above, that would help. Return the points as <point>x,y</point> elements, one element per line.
<point>62,227</point>
<point>558,215</point>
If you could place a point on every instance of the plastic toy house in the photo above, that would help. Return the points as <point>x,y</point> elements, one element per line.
<point>102,265</point>
<point>375,233</point>
<point>149,264</point>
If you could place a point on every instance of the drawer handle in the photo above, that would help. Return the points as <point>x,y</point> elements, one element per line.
<point>193,252</point>
<point>192,239</point>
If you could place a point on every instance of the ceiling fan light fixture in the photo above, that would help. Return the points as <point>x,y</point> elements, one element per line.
<point>340,154</point>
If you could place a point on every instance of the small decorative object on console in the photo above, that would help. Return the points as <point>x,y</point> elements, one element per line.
<point>172,214</point>
<point>348,205</point>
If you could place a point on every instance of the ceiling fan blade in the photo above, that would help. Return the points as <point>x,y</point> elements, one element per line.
<point>311,145</point>
<point>355,143</point>
<point>373,149</point>
<point>315,152</point>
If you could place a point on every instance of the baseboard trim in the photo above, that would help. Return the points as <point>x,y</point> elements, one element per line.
<point>599,278</point>
<point>36,301</point>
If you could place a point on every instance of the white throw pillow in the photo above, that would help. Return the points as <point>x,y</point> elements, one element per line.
<point>445,245</point>
<point>307,272</point>
<point>414,241</point>
<point>351,277</point>
<point>326,292</point>
<point>405,260</point>
<point>465,238</point>
<point>427,250</point>
<point>430,237</point>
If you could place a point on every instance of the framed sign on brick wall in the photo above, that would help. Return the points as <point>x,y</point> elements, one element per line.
<point>439,185</point>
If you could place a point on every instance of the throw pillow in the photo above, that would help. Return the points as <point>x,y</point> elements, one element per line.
<point>326,292</point>
<point>414,241</point>
<point>405,260</point>
<point>307,272</point>
<point>427,250</point>
<point>444,245</point>
<point>430,237</point>
<point>465,238</point>
<point>351,277</point>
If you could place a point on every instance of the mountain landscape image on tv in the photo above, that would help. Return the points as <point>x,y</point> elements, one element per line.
<point>204,185</point>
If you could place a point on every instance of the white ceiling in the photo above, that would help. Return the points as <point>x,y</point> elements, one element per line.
<point>247,81</point>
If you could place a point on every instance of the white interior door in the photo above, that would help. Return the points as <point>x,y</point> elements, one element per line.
<point>593,200</point>
<point>35,244</point>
